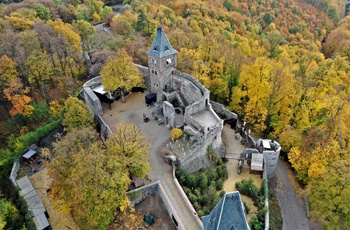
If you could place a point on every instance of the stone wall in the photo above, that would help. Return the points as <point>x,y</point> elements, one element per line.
<point>224,113</point>
<point>169,112</point>
<point>144,71</point>
<point>139,194</point>
<point>14,172</point>
<point>196,158</point>
<point>104,129</point>
<point>92,101</point>
<point>94,82</point>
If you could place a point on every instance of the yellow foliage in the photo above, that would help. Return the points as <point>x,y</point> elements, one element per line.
<point>96,17</point>
<point>67,30</point>
<point>175,133</point>
<point>55,108</point>
<point>19,23</point>
<point>121,73</point>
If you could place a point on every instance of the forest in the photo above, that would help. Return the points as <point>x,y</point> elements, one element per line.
<point>281,65</point>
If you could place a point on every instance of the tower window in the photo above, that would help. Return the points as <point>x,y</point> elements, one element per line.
<point>166,48</point>
<point>168,61</point>
<point>155,48</point>
<point>154,61</point>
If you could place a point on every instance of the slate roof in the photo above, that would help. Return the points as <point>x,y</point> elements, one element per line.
<point>161,46</point>
<point>228,214</point>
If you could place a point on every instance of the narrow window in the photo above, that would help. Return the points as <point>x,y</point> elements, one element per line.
<point>168,61</point>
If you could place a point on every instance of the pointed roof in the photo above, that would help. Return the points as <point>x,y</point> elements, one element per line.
<point>161,46</point>
<point>227,214</point>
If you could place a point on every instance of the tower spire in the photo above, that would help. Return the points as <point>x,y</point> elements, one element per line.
<point>161,46</point>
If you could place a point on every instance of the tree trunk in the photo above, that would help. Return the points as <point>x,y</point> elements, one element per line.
<point>122,91</point>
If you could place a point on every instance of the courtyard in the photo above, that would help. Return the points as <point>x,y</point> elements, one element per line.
<point>159,137</point>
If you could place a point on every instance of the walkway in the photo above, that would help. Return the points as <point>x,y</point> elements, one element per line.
<point>132,112</point>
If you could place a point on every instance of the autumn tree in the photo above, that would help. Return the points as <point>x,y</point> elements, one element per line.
<point>77,115</point>
<point>91,178</point>
<point>85,30</point>
<point>120,73</point>
<point>329,195</point>
<point>17,94</point>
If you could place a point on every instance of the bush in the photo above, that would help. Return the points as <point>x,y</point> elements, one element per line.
<point>175,133</point>
<point>246,208</point>
<point>200,213</point>
<point>205,199</point>
<point>222,193</point>
<point>248,188</point>
<point>219,184</point>
<point>255,224</point>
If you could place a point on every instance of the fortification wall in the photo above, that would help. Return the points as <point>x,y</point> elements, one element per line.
<point>220,109</point>
<point>14,173</point>
<point>137,195</point>
<point>169,112</point>
<point>94,82</point>
<point>92,101</point>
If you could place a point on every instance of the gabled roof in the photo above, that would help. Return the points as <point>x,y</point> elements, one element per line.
<point>161,46</point>
<point>228,214</point>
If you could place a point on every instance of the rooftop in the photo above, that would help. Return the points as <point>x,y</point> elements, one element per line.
<point>161,46</point>
<point>227,214</point>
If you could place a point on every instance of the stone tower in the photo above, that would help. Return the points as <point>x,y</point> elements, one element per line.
<point>161,61</point>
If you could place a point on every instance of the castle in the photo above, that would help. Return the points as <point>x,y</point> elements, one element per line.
<point>182,102</point>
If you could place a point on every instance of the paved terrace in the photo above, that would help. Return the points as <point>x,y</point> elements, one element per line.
<point>132,112</point>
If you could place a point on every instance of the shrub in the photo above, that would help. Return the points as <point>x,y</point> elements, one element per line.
<point>206,210</point>
<point>203,181</point>
<point>255,224</point>
<point>191,181</point>
<point>175,133</point>
<point>222,193</point>
<point>246,208</point>
<point>200,213</point>
<point>248,188</point>
<point>219,184</point>
<point>215,200</point>
<point>205,199</point>
<point>192,197</point>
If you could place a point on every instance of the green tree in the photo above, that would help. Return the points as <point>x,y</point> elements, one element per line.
<point>8,214</point>
<point>267,18</point>
<point>121,73</point>
<point>77,115</point>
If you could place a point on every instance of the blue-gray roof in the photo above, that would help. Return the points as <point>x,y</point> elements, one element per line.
<point>227,214</point>
<point>161,46</point>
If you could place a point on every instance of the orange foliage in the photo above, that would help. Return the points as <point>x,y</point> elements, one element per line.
<point>18,97</point>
